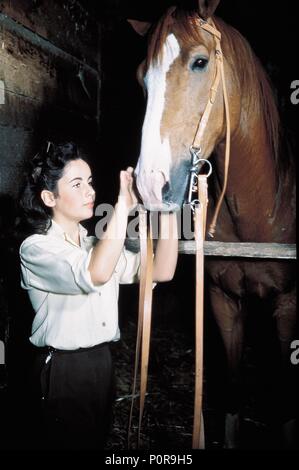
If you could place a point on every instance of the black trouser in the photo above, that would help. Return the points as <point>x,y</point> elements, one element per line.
<point>76,392</point>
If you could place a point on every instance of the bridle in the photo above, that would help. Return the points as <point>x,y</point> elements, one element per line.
<point>196,147</point>
<point>197,183</point>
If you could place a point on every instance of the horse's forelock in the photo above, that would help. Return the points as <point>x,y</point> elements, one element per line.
<point>175,19</point>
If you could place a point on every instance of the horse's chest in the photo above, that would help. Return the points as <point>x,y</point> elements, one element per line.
<point>243,278</point>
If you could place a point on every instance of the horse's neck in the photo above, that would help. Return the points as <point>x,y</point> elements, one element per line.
<point>252,196</point>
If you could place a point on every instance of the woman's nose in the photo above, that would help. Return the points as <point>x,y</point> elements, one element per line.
<point>90,191</point>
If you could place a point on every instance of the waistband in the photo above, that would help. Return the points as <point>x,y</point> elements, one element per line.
<point>50,349</point>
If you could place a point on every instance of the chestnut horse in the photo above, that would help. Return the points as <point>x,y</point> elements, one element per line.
<point>259,199</point>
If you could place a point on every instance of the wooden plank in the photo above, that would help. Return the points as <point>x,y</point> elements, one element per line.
<point>26,112</point>
<point>28,70</point>
<point>15,145</point>
<point>49,81</point>
<point>11,180</point>
<point>66,24</point>
<point>230,250</point>
<point>242,250</point>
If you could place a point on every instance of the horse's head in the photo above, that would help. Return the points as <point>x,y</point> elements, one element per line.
<point>177,77</point>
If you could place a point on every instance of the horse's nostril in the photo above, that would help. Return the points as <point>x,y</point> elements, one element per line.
<point>166,192</point>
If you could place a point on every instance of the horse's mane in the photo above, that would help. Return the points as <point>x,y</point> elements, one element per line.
<point>253,79</point>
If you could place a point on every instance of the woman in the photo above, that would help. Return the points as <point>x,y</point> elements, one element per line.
<point>73,282</point>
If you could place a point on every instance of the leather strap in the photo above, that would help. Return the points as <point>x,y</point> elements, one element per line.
<point>146,324</point>
<point>144,318</point>
<point>198,441</point>
<point>227,150</point>
<point>201,128</point>
<point>214,87</point>
<point>145,308</point>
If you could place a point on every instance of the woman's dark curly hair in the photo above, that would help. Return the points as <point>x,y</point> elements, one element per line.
<point>44,171</point>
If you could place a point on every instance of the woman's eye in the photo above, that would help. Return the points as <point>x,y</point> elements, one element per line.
<point>77,185</point>
<point>199,64</point>
<point>90,183</point>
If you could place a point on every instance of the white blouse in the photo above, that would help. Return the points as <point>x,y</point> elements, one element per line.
<point>70,311</point>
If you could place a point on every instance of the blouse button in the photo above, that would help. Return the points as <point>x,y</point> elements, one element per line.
<point>103,324</point>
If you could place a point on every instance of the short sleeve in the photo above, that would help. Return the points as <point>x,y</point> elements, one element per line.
<point>55,266</point>
<point>129,267</point>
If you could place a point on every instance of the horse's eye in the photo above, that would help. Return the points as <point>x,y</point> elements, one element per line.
<point>199,63</point>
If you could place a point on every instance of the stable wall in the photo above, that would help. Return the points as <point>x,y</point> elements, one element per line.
<point>49,80</point>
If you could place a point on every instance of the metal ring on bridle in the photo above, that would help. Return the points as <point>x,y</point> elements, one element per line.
<point>195,150</point>
<point>196,165</point>
<point>209,163</point>
<point>193,204</point>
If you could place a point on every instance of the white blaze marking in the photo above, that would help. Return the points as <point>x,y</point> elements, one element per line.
<point>155,154</point>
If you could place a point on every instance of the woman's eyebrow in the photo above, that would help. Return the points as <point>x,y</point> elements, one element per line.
<point>79,178</point>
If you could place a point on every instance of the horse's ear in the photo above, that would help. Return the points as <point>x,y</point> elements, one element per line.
<point>141,27</point>
<point>206,8</point>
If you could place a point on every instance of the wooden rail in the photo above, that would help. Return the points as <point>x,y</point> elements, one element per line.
<point>242,250</point>
<point>236,249</point>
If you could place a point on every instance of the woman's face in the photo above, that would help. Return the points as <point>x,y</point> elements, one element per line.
<point>76,195</point>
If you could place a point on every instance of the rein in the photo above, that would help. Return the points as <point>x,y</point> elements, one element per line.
<point>144,317</point>
<point>198,183</point>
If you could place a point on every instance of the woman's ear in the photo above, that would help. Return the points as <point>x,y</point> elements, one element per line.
<point>48,198</point>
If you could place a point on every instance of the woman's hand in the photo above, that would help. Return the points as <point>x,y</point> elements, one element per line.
<point>127,196</point>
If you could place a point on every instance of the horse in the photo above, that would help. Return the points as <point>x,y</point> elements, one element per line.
<point>259,196</point>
